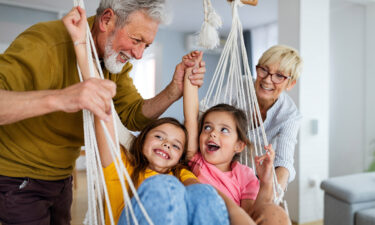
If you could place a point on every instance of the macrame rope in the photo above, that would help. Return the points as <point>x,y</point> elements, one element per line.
<point>95,177</point>
<point>208,36</point>
<point>234,85</point>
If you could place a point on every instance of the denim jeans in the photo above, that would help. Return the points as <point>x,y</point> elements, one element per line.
<point>168,202</point>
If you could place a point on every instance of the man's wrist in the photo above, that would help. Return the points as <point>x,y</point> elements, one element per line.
<point>173,92</point>
<point>52,100</point>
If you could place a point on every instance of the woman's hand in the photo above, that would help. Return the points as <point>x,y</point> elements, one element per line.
<point>75,22</point>
<point>264,165</point>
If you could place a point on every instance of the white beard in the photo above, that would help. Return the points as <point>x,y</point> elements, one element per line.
<point>110,58</point>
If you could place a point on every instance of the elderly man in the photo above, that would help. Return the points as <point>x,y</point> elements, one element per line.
<point>41,100</point>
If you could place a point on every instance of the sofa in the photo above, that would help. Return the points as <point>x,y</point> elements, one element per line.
<point>349,200</point>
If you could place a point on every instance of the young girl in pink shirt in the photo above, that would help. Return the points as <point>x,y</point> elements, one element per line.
<point>213,145</point>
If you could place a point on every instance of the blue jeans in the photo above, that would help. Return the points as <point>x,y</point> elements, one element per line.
<point>168,202</point>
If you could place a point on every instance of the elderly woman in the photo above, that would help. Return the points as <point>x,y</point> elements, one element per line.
<point>277,71</point>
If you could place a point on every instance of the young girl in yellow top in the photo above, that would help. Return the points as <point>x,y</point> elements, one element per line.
<point>159,149</point>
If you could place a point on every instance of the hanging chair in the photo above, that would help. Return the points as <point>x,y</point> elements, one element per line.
<point>232,83</point>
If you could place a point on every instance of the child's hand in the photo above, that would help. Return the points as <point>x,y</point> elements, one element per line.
<point>75,22</point>
<point>194,59</point>
<point>191,59</point>
<point>264,165</point>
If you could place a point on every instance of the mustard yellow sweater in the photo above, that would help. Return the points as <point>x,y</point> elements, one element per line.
<point>46,147</point>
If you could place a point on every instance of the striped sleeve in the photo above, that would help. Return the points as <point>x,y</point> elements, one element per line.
<point>285,145</point>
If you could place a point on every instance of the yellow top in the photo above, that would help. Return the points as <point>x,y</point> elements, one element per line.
<point>115,191</point>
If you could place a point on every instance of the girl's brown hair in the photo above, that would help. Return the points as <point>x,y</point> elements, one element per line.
<point>139,161</point>
<point>239,117</point>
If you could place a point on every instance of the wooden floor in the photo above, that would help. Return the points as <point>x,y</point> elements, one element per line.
<point>320,222</point>
<point>79,206</point>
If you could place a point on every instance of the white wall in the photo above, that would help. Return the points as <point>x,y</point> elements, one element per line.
<point>289,29</point>
<point>314,106</point>
<point>347,94</point>
<point>14,20</point>
<point>369,82</point>
<point>304,24</point>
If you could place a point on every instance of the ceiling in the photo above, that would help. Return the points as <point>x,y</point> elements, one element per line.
<point>187,15</point>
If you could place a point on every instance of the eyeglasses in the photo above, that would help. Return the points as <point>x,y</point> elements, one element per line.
<point>276,78</point>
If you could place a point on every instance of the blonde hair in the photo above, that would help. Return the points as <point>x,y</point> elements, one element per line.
<point>288,58</point>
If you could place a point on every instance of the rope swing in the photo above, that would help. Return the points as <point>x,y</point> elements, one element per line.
<point>95,178</point>
<point>232,84</point>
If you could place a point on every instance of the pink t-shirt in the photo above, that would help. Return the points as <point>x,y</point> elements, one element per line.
<point>239,183</point>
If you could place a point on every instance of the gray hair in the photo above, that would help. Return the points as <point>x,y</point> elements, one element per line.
<point>155,9</point>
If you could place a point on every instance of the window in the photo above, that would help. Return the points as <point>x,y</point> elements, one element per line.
<point>143,74</point>
<point>262,38</point>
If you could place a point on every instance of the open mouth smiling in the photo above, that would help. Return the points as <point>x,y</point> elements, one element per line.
<point>162,154</point>
<point>265,88</point>
<point>212,146</point>
<point>124,57</point>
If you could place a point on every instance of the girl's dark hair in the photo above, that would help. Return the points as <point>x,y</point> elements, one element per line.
<point>139,161</point>
<point>239,117</point>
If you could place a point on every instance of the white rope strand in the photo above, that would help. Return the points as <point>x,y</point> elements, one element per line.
<point>240,91</point>
<point>95,176</point>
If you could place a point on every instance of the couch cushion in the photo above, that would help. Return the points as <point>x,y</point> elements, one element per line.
<point>351,188</point>
<point>365,217</point>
